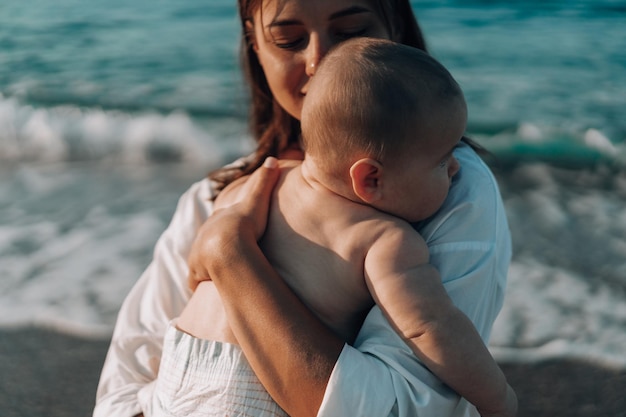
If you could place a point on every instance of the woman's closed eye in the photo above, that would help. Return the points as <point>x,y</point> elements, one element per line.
<point>349,34</point>
<point>288,36</point>
<point>299,42</point>
<point>289,43</point>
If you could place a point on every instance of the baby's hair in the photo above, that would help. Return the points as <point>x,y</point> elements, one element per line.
<point>367,98</point>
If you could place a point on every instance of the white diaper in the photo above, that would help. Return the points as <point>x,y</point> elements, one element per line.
<point>206,378</point>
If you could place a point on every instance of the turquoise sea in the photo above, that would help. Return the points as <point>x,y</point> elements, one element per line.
<point>109,110</point>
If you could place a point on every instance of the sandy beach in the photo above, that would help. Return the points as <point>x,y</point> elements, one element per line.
<point>49,374</point>
<point>44,373</point>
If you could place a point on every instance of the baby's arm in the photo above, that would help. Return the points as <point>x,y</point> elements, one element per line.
<point>410,293</point>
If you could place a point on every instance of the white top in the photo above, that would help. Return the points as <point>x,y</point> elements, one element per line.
<point>469,242</point>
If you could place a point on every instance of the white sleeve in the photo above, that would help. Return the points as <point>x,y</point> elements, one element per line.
<point>470,244</point>
<point>160,294</point>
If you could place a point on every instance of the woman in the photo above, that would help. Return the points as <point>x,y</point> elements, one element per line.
<point>305,367</point>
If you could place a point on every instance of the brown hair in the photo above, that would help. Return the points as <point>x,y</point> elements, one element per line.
<point>376,106</point>
<point>271,126</point>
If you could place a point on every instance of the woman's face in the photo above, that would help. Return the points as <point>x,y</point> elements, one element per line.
<point>291,37</point>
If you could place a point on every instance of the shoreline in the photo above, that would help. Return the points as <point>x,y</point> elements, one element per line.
<point>46,373</point>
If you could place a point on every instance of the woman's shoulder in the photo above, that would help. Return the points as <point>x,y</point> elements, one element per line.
<point>206,189</point>
<point>475,169</point>
<point>197,202</point>
<point>199,193</point>
<point>474,182</point>
<point>194,206</point>
<point>474,206</point>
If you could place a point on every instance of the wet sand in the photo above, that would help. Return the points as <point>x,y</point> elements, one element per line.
<point>44,373</point>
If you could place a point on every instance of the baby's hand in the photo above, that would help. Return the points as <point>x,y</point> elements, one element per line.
<point>510,406</point>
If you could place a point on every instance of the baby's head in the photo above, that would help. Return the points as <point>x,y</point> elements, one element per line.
<point>385,102</point>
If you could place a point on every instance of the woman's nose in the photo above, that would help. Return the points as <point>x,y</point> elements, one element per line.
<point>316,49</point>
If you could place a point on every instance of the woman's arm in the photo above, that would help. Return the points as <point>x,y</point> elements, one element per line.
<point>289,349</point>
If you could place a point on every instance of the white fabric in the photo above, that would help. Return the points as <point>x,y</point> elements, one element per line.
<point>203,378</point>
<point>469,242</point>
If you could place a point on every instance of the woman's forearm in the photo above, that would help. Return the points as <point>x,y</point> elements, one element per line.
<point>290,350</point>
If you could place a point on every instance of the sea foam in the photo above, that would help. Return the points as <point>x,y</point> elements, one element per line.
<point>69,133</point>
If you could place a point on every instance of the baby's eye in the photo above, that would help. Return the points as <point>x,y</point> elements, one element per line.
<point>444,163</point>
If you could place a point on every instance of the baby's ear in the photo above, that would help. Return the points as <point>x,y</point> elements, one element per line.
<point>366,175</point>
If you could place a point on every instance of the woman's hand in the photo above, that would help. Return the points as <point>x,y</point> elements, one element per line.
<point>245,218</point>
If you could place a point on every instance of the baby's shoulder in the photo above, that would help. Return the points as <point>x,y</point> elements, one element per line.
<point>392,233</point>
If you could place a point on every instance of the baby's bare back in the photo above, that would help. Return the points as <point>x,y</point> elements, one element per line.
<point>317,241</point>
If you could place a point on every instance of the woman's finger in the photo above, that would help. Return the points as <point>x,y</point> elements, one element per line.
<point>261,183</point>
<point>257,193</point>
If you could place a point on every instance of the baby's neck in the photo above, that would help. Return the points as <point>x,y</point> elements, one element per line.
<point>321,181</point>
